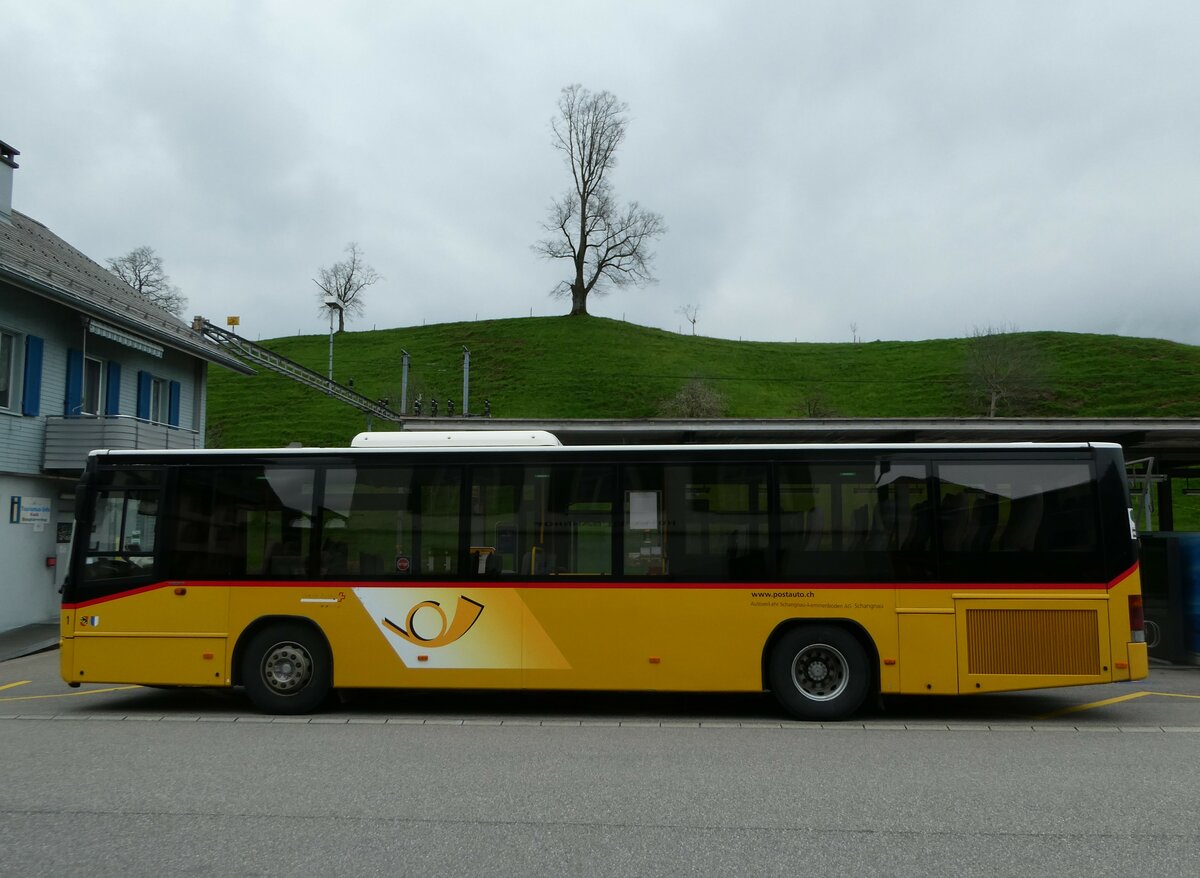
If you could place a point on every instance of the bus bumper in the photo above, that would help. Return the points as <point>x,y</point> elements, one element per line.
<point>1139,661</point>
<point>66,660</point>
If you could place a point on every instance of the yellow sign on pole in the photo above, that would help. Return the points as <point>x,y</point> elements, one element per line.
<point>233,321</point>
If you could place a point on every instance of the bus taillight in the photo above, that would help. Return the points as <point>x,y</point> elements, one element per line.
<point>1137,619</point>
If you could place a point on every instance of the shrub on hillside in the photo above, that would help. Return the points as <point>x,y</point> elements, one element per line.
<point>696,399</point>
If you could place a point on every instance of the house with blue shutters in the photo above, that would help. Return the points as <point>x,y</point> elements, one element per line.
<point>85,363</point>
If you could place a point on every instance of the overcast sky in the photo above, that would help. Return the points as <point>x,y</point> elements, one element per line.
<point>915,168</point>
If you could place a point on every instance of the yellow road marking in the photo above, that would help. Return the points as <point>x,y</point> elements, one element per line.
<point>14,685</point>
<point>1104,703</point>
<point>1172,695</point>
<point>70,694</point>
<point>1107,701</point>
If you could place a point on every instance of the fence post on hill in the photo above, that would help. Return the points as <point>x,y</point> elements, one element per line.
<point>404,381</point>
<point>466,378</point>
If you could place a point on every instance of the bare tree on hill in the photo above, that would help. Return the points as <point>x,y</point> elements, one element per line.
<point>605,243</point>
<point>142,269</point>
<point>691,313</point>
<point>343,283</point>
<point>1003,368</point>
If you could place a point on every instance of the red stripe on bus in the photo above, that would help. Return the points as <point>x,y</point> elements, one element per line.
<point>1128,573</point>
<point>124,594</point>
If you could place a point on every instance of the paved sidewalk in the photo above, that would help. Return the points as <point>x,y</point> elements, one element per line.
<point>28,640</point>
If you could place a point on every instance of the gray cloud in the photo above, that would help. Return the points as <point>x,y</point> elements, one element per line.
<point>917,168</point>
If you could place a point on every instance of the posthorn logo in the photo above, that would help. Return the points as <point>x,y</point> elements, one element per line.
<point>465,615</point>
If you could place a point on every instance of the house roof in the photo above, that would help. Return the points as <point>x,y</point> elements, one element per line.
<point>34,258</point>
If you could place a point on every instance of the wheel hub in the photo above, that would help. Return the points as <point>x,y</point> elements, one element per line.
<point>820,672</point>
<point>287,668</point>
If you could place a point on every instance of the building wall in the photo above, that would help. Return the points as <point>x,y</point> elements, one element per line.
<point>22,438</point>
<point>29,588</point>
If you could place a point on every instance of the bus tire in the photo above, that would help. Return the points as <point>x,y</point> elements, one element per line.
<point>819,672</point>
<point>286,669</point>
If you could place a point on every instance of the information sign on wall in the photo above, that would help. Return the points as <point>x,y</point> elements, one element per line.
<point>29,510</point>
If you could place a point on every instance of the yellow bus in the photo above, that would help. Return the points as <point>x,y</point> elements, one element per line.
<point>826,574</point>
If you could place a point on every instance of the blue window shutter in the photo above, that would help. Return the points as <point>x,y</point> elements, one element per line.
<point>143,397</point>
<point>173,404</point>
<point>112,389</point>
<point>74,401</point>
<point>31,398</point>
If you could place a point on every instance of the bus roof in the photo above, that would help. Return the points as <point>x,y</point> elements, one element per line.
<point>462,439</point>
<point>527,440</point>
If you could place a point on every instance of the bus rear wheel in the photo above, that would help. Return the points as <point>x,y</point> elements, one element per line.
<point>819,672</point>
<point>286,669</point>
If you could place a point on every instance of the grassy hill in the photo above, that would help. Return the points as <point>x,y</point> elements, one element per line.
<point>558,367</point>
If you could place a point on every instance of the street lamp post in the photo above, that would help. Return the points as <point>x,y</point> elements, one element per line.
<point>331,302</point>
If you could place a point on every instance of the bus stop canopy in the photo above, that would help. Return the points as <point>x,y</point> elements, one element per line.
<point>1174,443</point>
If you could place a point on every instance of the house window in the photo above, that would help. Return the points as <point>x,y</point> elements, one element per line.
<point>158,400</point>
<point>92,370</point>
<point>8,369</point>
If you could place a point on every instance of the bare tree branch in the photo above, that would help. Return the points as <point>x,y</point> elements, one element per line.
<point>690,313</point>
<point>345,282</point>
<point>605,245</point>
<point>142,269</point>
<point>1003,369</point>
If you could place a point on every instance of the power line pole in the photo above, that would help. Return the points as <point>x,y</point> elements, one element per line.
<point>403,381</point>
<point>466,378</point>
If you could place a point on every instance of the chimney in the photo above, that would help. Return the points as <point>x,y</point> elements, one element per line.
<point>8,164</point>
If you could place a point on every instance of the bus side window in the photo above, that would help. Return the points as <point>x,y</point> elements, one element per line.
<point>284,559</point>
<point>647,537</point>
<point>231,522</point>
<point>985,516</point>
<point>435,520</point>
<point>337,506</point>
<point>913,525</point>
<point>697,521</point>
<point>1024,522</point>
<point>955,512</point>
<point>124,525</point>
<point>124,532</point>
<point>857,519</point>
<point>1018,521</point>
<point>542,521</point>
<point>386,521</point>
<point>504,518</point>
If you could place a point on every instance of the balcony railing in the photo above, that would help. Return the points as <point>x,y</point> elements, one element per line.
<point>68,440</point>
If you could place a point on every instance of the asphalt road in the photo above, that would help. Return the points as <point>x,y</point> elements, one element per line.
<point>151,782</point>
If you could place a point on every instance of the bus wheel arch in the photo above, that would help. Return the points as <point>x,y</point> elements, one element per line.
<point>285,664</point>
<point>820,669</point>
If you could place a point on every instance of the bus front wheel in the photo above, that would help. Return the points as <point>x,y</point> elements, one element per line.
<point>286,669</point>
<point>819,672</point>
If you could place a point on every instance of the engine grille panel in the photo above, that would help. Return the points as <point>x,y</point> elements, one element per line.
<point>1033,642</point>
